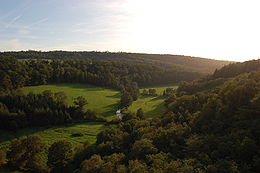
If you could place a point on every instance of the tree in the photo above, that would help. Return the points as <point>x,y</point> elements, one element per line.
<point>2,157</point>
<point>158,162</point>
<point>60,154</point>
<point>126,100</point>
<point>112,162</point>
<point>92,165</point>
<point>140,114</point>
<point>143,147</point>
<point>135,166</point>
<point>25,154</point>
<point>80,101</point>
<point>145,92</point>
<point>152,92</point>
<point>47,93</point>
<point>61,97</point>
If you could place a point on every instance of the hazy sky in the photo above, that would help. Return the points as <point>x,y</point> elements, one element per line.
<point>220,29</point>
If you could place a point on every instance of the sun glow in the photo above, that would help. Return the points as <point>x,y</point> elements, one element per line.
<point>220,29</point>
<point>200,28</point>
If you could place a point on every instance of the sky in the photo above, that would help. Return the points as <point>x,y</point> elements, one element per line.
<point>218,29</point>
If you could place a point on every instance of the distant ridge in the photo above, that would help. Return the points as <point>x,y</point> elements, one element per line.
<point>196,64</point>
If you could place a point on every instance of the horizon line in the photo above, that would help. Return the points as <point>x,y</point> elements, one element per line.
<point>170,54</point>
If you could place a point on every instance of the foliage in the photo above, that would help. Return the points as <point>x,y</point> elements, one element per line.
<point>102,100</point>
<point>59,155</point>
<point>213,130</point>
<point>19,111</point>
<point>179,62</point>
<point>24,154</point>
<point>210,126</point>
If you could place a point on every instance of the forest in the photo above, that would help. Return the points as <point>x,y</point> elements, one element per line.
<point>211,122</point>
<point>180,62</point>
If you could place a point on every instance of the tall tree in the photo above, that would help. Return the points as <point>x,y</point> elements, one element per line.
<point>25,154</point>
<point>59,156</point>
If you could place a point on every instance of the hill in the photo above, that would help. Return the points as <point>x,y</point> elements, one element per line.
<point>196,64</point>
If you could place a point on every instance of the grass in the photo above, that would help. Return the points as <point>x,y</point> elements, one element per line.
<point>103,100</point>
<point>52,134</point>
<point>87,131</point>
<point>152,106</point>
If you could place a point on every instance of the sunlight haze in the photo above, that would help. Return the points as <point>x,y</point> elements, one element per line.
<point>223,29</point>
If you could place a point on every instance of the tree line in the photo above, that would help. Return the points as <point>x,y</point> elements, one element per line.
<point>124,76</point>
<point>179,62</point>
<point>18,110</point>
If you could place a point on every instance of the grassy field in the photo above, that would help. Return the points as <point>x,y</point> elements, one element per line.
<point>87,131</point>
<point>152,106</point>
<point>49,135</point>
<point>104,101</point>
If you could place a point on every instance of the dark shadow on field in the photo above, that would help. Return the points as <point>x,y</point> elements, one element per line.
<point>156,112</point>
<point>87,87</point>
<point>112,106</point>
<point>117,95</point>
<point>112,110</point>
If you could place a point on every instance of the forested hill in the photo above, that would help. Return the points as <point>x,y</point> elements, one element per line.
<point>195,64</point>
<point>219,77</point>
<point>235,69</point>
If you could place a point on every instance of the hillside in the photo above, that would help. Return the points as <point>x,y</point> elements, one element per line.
<point>212,130</point>
<point>196,64</point>
<point>219,77</point>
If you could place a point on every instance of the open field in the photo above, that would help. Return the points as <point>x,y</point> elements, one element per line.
<point>104,101</point>
<point>152,106</point>
<point>74,133</point>
<point>87,131</point>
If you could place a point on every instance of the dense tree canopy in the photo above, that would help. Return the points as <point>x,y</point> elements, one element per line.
<point>18,110</point>
<point>59,155</point>
<point>24,154</point>
<point>188,63</point>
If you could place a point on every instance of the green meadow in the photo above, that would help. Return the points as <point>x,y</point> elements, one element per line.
<point>152,106</point>
<point>103,100</point>
<point>86,131</point>
<point>75,133</point>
